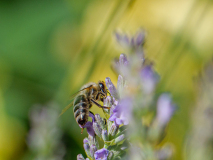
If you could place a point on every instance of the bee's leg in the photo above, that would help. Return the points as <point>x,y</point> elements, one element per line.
<point>103,94</point>
<point>82,129</point>
<point>97,104</point>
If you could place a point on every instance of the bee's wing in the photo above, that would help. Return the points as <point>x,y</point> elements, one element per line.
<point>65,109</point>
<point>72,98</point>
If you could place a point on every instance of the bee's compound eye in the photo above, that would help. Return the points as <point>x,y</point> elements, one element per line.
<point>101,85</point>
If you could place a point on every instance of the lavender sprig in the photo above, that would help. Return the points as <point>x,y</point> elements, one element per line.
<point>44,139</point>
<point>127,133</point>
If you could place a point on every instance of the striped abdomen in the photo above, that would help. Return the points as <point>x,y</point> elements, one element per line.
<point>81,109</point>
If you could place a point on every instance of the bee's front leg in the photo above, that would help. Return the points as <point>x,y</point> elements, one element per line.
<point>97,104</point>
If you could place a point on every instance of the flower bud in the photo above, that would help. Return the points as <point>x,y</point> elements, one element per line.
<point>105,135</point>
<point>113,129</point>
<point>123,40</point>
<point>86,140</point>
<point>100,121</point>
<point>139,38</point>
<point>111,88</point>
<point>97,129</point>
<point>87,149</point>
<point>108,101</point>
<point>110,156</point>
<point>119,139</point>
<point>120,85</point>
<point>80,157</point>
<point>93,149</point>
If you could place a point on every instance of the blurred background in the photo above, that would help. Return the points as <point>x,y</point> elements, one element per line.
<point>49,49</point>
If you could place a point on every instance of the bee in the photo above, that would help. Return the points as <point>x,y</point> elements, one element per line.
<point>88,95</point>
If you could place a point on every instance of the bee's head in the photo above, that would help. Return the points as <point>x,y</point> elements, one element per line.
<point>102,87</point>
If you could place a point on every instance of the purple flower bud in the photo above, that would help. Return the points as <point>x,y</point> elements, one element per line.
<point>122,66</point>
<point>119,139</point>
<point>122,39</point>
<point>100,121</point>
<point>86,141</point>
<point>108,101</point>
<point>97,129</point>
<point>93,140</point>
<point>123,60</point>
<point>101,154</point>
<point>105,135</point>
<point>120,85</point>
<point>87,149</point>
<point>165,109</point>
<point>80,157</point>
<point>93,149</point>
<point>111,87</point>
<point>113,129</point>
<point>149,79</point>
<point>139,38</point>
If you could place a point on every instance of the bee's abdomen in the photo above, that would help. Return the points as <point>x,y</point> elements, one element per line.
<point>81,113</point>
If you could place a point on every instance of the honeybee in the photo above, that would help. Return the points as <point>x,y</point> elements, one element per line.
<point>89,94</point>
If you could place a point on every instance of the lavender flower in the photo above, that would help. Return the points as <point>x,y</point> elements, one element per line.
<point>133,44</point>
<point>89,127</point>
<point>101,154</point>
<point>128,42</point>
<point>165,109</point>
<point>93,149</point>
<point>113,129</point>
<point>87,149</point>
<point>97,128</point>
<point>129,106</point>
<point>111,87</point>
<point>80,157</point>
<point>122,112</point>
<point>148,79</point>
<point>138,39</point>
<point>44,136</point>
<point>105,135</point>
<point>121,65</point>
<point>123,40</point>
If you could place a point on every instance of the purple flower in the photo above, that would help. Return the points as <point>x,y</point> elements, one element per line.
<point>130,42</point>
<point>113,129</point>
<point>134,43</point>
<point>111,87</point>
<point>97,129</point>
<point>122,112</point>
<point>149,79</point>
<point>139,38</point>
<point>165,109</point>
<point>89,126</point>
<point>93,149</point>
<point>101,154</point>
<point>123,40</point>
<point>80,157</point>
<point>121,65</point>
